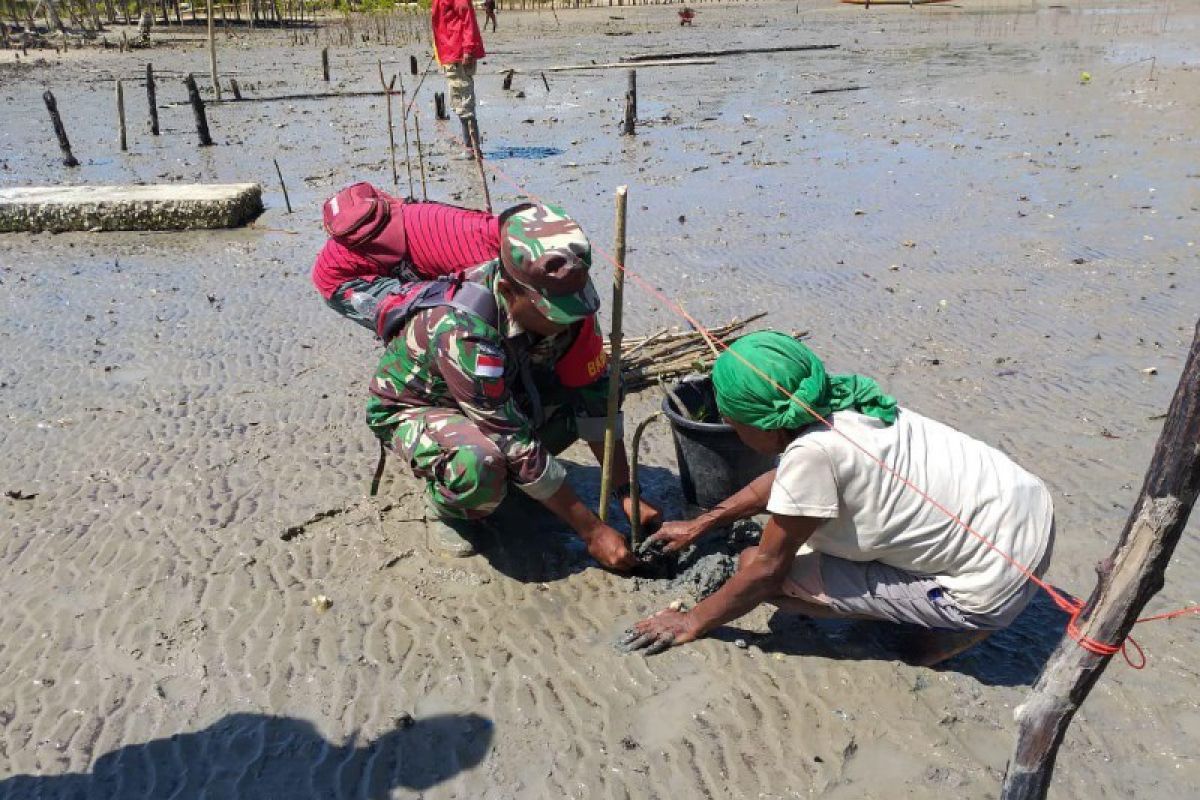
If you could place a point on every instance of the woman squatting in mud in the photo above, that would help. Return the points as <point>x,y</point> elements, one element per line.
<point>848,537</point>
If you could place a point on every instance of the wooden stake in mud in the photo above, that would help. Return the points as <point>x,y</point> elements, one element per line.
<point>1127,580</point>
<point>439,105</point>
<point>412,64</point>
<point>286,201</point>
<point>627,128</point>
<point>69,159</point>
<point>420,155</point>
<point>614,363</point>
<point>212,54</point>
<point>237,90</point>
<point>325,64</point>
<point>150,99</point>
<point>507,82</point>
<point>121,140</point>
<point>478,153</point>
<point>387,92</point>
<point>198,111</point>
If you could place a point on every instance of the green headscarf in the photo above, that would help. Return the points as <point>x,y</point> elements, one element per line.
<point>749,394</point>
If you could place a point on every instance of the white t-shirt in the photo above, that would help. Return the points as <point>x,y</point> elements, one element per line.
<point>873,516</point>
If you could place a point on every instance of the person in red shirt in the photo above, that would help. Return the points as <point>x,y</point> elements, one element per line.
<point>421,241</point>
<point>458,44</point>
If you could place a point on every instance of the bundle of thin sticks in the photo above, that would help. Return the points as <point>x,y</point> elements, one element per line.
<point>645,360</point>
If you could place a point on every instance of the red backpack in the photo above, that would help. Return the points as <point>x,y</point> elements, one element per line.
<point>369,222</point>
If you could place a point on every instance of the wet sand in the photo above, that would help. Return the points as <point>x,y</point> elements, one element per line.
<point>1005,247</point>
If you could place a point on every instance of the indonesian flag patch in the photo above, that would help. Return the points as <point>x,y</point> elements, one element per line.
<point>489,363</point>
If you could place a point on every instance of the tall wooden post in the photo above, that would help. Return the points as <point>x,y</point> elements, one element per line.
<point>121,139</point>
<point>198,111</point>
<point>627,128</point>
<point>325,64</point>
<point>150,99</point>
<point>614,363</point>
<point>64,144</point>
<point>1127,580</point>
<point>212,54</point>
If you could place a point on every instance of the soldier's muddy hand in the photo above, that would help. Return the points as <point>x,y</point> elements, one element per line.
<point>664,630</point>
<point>677,535</point>
<point>609,548</point>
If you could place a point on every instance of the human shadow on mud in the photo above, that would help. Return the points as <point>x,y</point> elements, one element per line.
<point>1011,657</point>
<point>263,757</point>
<point>526,542</point>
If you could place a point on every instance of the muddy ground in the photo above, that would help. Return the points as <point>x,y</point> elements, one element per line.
<point>1006,246</point>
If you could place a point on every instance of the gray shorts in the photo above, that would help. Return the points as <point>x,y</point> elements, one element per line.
<point>875,590</point>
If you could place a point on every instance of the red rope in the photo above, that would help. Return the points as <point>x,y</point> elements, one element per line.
<point>1067,603</point>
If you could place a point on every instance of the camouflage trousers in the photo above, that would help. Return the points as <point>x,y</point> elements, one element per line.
<point>466,475</point>
<point>460,80</point>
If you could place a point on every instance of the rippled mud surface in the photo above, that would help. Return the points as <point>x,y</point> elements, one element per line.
<point>1005,246</point>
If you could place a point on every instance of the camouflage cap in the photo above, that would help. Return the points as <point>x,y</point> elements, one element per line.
<point>547,252</point>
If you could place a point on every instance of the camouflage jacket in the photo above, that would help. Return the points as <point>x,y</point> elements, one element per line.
<point>449,358</point>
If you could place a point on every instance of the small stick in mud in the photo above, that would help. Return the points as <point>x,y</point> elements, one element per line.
<point>404,122</point>
<point>121,139</point>
<point>508,78</point>
<point>614,364</point>
<point>439,106</point>
<point>237,90</point>
<point>387,91</point>
<point>69,159</point>
<point>412,64</point>
<point>198,111</point>
<point>420,155</point>
<point>546,83</point>
<point>325,64</point>
<point>286,200</point>
<point>150,99</point>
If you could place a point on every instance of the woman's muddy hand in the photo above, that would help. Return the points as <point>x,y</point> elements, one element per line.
<point>675,536</point>
<point>664,630</point>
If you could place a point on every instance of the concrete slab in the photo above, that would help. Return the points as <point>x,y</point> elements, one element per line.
<point>129,208</point>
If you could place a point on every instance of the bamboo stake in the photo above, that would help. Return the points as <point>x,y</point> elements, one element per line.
<point>614,367</point>
<point>1132,575</point>
<point>212,54</point>
<point>121,140</point>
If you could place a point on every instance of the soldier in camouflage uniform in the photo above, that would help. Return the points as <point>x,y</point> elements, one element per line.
<point>472,408</point>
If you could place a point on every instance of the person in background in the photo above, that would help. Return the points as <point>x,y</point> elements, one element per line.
<point>458,45</point>
<point>489,8</point>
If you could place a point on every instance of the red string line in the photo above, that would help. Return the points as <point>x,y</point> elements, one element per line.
<point>1071,605</point>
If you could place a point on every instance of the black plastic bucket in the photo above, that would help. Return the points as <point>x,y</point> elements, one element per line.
<point>713,462</point>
